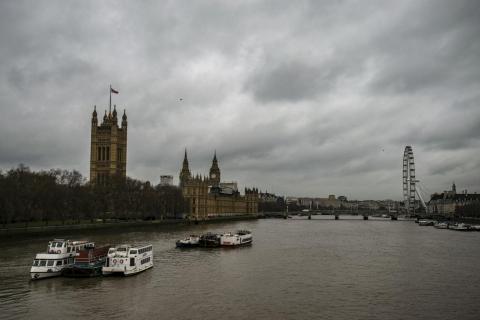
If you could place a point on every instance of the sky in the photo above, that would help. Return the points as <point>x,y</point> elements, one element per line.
<point>299,98</point>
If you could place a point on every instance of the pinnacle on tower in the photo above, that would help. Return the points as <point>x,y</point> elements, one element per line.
<point>215,170</point>
<point>185,174</point>
<point>94,117</point>
<point>185,159</point>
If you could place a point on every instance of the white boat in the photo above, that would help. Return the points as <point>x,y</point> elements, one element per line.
<point>128,260</point>
<point>240,238</point>
<point>441,225</point>
<point>460,227</point>
<point>425,223</point>
<point>475,227</point>
<point>60,254</point>
<point>189,242</point>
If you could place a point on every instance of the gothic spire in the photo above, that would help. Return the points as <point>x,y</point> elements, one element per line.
<point>185,174</point>
<point>185,159</point>
<point>215,170</point>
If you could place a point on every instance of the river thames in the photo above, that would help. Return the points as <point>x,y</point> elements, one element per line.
<point>295,269</point>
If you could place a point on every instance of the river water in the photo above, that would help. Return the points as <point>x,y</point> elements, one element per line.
<point>295,269</point>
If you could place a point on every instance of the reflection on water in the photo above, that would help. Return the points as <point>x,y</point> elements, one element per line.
<point>347,269</point>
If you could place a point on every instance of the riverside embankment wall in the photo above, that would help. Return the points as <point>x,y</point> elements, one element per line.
<point>52,229</point>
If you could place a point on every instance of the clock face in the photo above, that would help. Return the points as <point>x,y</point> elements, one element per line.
<point>214,175</point>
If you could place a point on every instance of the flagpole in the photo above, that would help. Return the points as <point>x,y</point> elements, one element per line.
<point>110,105</point>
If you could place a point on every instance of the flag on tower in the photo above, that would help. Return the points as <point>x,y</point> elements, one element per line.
<point>113,90</point>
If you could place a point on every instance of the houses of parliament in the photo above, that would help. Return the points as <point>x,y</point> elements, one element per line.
<point>206,196</point>
<point>108,147</point>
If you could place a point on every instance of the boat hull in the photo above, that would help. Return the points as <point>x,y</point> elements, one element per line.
<point>78,272</point>
<point>232,245</point>
<point>209,243</point>
<point>461,229</point>
<point>179,244</point>
<point>112,271</point>
<point>425,223</point>
<point>43,275</point>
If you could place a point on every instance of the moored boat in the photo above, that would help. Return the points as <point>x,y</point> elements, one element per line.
<point>240,238</point>
<point>461,227</point>
<point>475,227</point>
<point>189,242</point>
<point>128,260</point>
<point>60,254</point>
<point>425,223</point>
<point>209,240</point>
<point>87,262</point>
<point>441,225</point>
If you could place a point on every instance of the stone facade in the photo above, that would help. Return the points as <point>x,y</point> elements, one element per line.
<point>208,197</point>
<point>108,147</point>
<point>448,202</point>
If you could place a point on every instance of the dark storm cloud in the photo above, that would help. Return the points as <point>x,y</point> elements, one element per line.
<point>293,81</point>
<point>300,98</point>
<point>430,48</point>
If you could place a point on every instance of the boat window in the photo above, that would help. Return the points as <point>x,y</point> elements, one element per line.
<point>35,263</point>
<point>59,262</point>
<point>122,249</point>
<point>111,250</point>
<point>133,251</point>
<point>68,249</point>
<point>59,244</point>
<point>50,263</point>
<point>65,261</point>
<point>43,263</point>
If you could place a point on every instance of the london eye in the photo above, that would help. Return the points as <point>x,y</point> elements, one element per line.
<point>409,180</point>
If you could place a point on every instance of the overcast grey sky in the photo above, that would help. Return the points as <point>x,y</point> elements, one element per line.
<point>305,98</point>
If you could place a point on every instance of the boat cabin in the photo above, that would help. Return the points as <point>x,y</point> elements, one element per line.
<point>52,262</point>
<point>61,246</point>
<point>128,259</point>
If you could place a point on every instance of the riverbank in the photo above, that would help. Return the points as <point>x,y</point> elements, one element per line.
<point>52,229</point>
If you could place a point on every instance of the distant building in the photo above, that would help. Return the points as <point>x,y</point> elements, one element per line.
<point>228,187</point>
<point>166,180</point>
<point>268,197</point>
<point>292,200</point>
<point>316,203</point>
<point>448,203</point>
<point>368,205</point>
<point>330,202</point>
<point>208,197</point>
<point>108,147</point>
